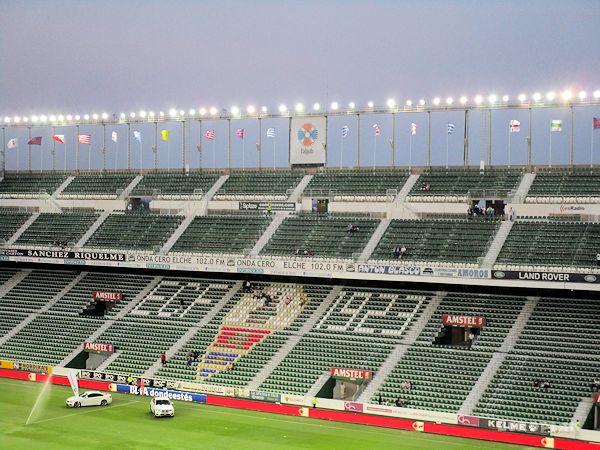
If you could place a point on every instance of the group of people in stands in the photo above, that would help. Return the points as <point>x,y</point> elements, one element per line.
<point>306,252</point>
<point>352,228</point>
<point>475,210</point>
<point>400,402</point>
<point>192,357</point>
<point>61,244</point>
<point>542,385</point>
<point>399,251</point>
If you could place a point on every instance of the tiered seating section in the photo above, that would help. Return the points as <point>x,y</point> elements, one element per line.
<point>456,185</point>
<point>173,186</point>
<point>53,334</point>
<point>10,221</point>
<point>577,185</point>
<point>97,185</point>
<point>262,186</point>
<point>549,243</point>
<point>143,231</point>
<point>356,184</point>
<point>358,330</point>
<point>443,376</point>
<point>325,234</point>
<point>443,240</point>
<point>30,185</point>
<point>222,233</point>
<point>48,228</point>
<point>559,344</point>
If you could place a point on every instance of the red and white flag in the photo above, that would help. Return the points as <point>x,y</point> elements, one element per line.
<point>209,134</point>
<point>377,129</point>
<point>514,126</point>
<point>59,138</point>
<point>85,138</point>
<point>240,133</point>
<point>35,141</point>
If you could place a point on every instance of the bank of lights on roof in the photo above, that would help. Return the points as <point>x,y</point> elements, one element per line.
<point>549,99</point>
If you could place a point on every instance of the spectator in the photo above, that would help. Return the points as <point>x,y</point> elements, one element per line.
<point>302,302</point>
<point>402,251</point>
<point>308,251</point>
<point>426,187</point>
<point>352,228</point>
<point>247,287</point>
<point>399,402</point>
<point>181,302</point>
<point>163,359</point>
<point>490,212</point>
<point>595,386</point>
<point>314,402</point>
<point>397,251</point>
<point>545,385</point>
<point>471,336</point>
<point>598,259</point>
<point>288,300</point>
<point>536,384</point>
<point>380,399</point>
<point>269,210</point>
<point>470,212</point>
<point>298,252</point>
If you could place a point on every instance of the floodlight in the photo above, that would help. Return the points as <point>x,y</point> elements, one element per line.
<point>250,109</point>
<point>408,102</point>
<point>235,110</point>
<point>436,101</point>
<point>334,106</point>
<point>95,116</point>
<point>582,95</point>
<point>282,108</point>
<point>299,107</point>
<point>492,98</point>
<point>522,97</point>
<point>370,104</point>
<point>537,96</point>
<point>351,105</point>
<point>316,106</point>
<point>449,100</point>
<point>596,94</point>
<point>505,98</point>
<point>391,103</point>
<point>463,100</point>
<point>550,96</point>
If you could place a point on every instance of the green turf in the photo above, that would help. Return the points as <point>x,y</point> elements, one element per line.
<point>127,423</point>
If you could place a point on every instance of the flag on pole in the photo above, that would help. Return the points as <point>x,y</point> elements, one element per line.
<point>84,138</point>
<point>59,138</point>
<point>137,136</point>
<point>72,377</point>
<point>209,134</point>
<point>166,135</point>
<point>345,130</point>
<point>115,136</point>
<point>450,128</point>
<point>514,126</point>
<point>271,132</point>
<point>377,129</point>
<point>35,141</point>
<point>413,128</point>
<point>596,123</point>
<point>12,143</point>
<point>556,125</point>
<point>240,133</point>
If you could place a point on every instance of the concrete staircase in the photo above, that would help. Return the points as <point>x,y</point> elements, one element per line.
<point>176,235</point>
<point>401,197</point>
<point>316,387</point>
<point>523,188</point>
<point>91,230</point>
<point>21,230</point>
<point>490,258</point>
<point>107,361</point>
<point>189,334</point>
<point>278,218</point>
<point>375,238</point>
<point>298,190</point>
<point>482,383</point>
<point>63,186</point>
<point>519,324</point>
<point>42,310</point>
<point>130,188</point>
<point>151,285</point>
<point>13,281</point>
<point>215,187</point>
<point>268,368</point>
<point>583,409</point>
<point>400,349</point>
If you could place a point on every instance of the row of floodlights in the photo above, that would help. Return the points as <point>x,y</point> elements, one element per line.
<point>566,96</point>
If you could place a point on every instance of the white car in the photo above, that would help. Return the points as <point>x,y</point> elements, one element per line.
<point>90,398</point>
<point>161,406</point>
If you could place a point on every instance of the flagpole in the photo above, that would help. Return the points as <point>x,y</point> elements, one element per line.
<point>410,151</point>
<point>550,150</point>
<point>4,151</point>
<point>199,146</point>
<point>447,134</point>
<point>393,146</point>
<point>103,147</point>
<point>529,140</point>
<point>77,150</point>
<point>128,147</point>
<point>341,152</point>
<point>509,144</point>
<point>214,154</point>
<point>428,147</point>
<point>229,144</point>
<point>374,150</point>
<point>591,148</point>
<point>183,155</point>
<point>571,140</point>
<point>29,145</point>
<point>89,158</point>
<point>259,146</point>
<point>155,147</point>
<point>53,150</point>
<point>357,140</point>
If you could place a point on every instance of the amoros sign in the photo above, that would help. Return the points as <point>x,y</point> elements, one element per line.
<point>463,321</point>
<point>107,296</point>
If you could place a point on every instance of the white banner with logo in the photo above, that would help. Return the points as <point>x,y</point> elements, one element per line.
<point>308,140</point>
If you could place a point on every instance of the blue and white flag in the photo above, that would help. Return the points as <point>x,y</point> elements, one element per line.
<point>450,128</point>
<point>345,130</point>
<point>271,132</point>
<point>137,136</point>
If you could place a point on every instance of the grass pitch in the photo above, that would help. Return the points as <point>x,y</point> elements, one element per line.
<point>34,416</point>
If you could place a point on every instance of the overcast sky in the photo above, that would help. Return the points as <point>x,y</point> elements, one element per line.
<point>77,56</point>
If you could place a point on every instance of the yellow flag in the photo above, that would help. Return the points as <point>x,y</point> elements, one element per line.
<point>165,135</point>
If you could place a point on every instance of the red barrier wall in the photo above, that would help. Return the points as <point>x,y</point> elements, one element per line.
<point>342,416</point>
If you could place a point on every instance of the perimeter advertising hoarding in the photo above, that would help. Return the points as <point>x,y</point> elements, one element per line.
<point>359,375</point>
<point>163,393</point>
<point>262,206</point>
<point>63,254</point>
<point>557,277</point>
<point>308,140</point>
